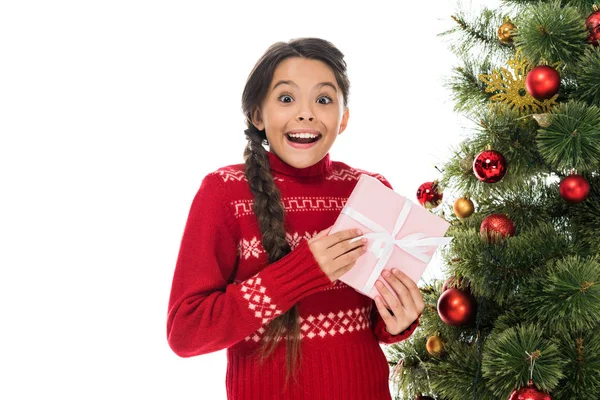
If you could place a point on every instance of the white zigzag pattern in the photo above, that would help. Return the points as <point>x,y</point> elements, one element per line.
<point>351,174</point>
<point>235,175</point>
<point>325,326</point>
<point>295,204</point>
<point>258,301</point>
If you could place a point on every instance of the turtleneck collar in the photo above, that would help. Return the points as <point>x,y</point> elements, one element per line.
<point>321,168</point>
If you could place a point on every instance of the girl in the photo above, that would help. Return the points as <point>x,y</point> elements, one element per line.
<point>254,277</point>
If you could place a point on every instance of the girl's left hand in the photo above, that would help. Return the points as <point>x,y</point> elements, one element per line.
<point>407,310</point>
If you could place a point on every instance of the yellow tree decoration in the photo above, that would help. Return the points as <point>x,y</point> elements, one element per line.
<point>510,88</point>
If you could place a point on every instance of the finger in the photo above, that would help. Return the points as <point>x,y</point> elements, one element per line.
<point>383,311</point>
<point>348,260</point>
<point>340,236</point>
<point>320,234</point>
<point>389,298</point>
<point>401,290</point>
<point>412,287</point>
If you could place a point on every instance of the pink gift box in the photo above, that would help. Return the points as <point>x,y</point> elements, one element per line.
<point>379,212</point>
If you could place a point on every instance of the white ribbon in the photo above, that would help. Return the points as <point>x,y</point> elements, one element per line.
<point>383,245</point>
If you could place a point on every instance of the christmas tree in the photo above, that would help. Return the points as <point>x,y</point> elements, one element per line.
<point>517,315</point>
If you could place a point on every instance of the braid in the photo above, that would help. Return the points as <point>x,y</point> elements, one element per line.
<point>269,211</point>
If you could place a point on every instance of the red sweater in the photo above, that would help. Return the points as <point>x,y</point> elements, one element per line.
<point>224,291</point>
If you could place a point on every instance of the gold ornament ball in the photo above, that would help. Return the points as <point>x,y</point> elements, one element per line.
<point>463,207</point>
<point>505,32</point>
<point>435,345</point>
<point>466,164</point>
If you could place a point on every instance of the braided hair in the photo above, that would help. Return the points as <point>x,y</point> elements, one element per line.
<point>267,205</point>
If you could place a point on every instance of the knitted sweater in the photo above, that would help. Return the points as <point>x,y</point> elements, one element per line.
<point>224,291</point>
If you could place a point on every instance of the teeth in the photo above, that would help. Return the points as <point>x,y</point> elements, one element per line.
<point>302,135</point>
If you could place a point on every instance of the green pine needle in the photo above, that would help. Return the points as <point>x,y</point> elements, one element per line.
<point>550,33</point>
<point>573,138</point>
<point>567,296</point>
<point>507,366</point>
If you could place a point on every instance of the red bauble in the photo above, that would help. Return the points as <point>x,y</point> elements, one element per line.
<point>429,195</point>
<point>529,392</point>
<point>496,223</point>
<point>574,188</point>
<point>593,25</point>
<point>489,166</point>
<point>457,307</point>
<point>542,82</point>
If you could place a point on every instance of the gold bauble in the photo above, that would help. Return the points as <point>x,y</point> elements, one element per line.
<point>435,346</point>
<point>463,207</point>
<point>505,32</point>
<point>543,120</point>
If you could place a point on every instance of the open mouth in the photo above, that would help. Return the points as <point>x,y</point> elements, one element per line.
<point>303,138</point>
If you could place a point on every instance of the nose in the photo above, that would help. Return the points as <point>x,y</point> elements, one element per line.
<point>305,112</point>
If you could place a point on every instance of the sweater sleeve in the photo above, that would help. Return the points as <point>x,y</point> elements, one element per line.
<point>205,312</point>
<point>379,329</point>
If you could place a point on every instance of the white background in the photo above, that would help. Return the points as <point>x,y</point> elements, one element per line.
<point>111,114</point>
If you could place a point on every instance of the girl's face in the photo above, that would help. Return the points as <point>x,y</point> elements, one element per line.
<point>298,100</point>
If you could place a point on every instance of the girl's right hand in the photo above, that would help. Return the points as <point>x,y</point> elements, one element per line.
<point>335,254</point>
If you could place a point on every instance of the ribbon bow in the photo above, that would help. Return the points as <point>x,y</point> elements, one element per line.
<point>383,244</point>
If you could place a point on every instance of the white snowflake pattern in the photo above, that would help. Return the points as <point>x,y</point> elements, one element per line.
<point>250,248</point>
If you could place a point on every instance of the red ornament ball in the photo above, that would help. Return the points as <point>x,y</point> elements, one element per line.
<point>542,82</point>
<point>574,188</point>
<point>429,195</point>
<point>593,25</point>
<point>529,392</point>
<point>457,307</point>
<point>496,224</point>
<point>489,166</point>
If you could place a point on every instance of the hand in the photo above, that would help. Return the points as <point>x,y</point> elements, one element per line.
<point>335,254</point>
<point>407,310</point>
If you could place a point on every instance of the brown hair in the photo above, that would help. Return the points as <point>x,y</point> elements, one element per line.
<point>267,198</point>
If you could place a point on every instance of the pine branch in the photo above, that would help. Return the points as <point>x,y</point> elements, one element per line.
<point>507,366</point>
<point>588,76</point>
<point>582,372</point>
<point>467,90</point>
<point>566,297</point>
<point>573,138</point>
<point>549,33</point>
<point>477,34</point>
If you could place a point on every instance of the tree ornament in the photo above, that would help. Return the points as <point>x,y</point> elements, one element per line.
<point>593,25</point>
<point>463,207</point>
<point>466,164</point>
<point>543,120</point>
<point>574,188</point>
<point>542,82</point>
<point>529,392</point>
<point>508,87</point>
<point>457,307</point>
<point>435,346</point>
<point>489,166</point>
<point>505,32</point>
<point>496,224</point>
<point>429,195</point>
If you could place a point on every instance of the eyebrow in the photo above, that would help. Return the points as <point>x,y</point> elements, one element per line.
<point>292,83</point>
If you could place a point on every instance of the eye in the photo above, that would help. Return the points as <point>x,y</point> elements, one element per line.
<point>285,95</point>
<point>326,97</point>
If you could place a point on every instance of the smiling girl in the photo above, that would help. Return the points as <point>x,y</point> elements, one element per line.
<point>257,273</point>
